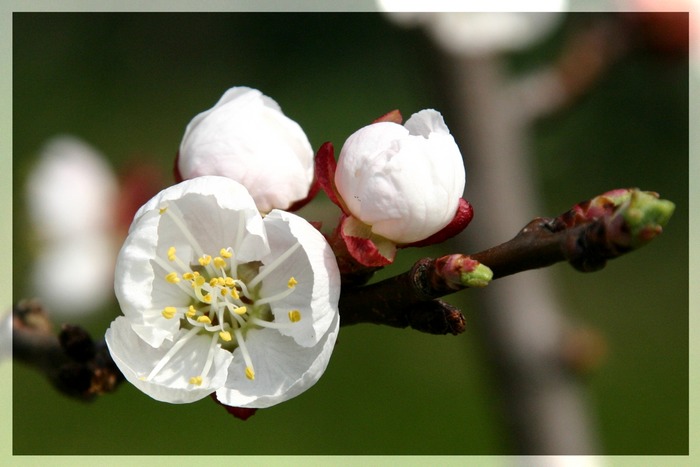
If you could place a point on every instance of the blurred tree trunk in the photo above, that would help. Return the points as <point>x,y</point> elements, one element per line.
<point>519,317</point>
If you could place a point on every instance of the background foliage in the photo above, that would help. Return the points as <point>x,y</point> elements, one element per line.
<point>129,83</point>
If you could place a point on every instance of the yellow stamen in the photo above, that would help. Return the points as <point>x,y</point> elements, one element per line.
<point>228,282</point>
<point>206,298</point>
<point>225,253</point>
<point>172,278</point>
<point>249,373</point>
<point>294,316</point>
<point>199,281</point>
<point>196,380</point>
<point>161,211</point>
<point>205,260</point>
<point>191,312</point>
<point>225,291</point>
<point>292,282</point>
<point>204,319</point>
<point>225,336</point>
<point>171,253</point>
<point>219,262</point>
<point>188,276</point>
<point>241,310</point>
<point>169,312</point>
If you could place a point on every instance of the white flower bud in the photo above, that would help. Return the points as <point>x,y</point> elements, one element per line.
<point>247,138</point>
<point>403,181</point>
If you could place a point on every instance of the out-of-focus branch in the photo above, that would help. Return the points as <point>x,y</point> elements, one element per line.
<point>73,363</point>
<point>586,56</point>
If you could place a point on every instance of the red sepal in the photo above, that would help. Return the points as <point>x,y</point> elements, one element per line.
<point>176,168</point>
<point>242,413</point>
<point>394,117</point>
<point>459,222</point>
<point>325,166</point>
<point>363,249</point>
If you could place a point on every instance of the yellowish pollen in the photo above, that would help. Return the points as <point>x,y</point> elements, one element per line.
<point>225,253</point>
<point>196,380</point>
<point>172,278</point>
<point>171,253</point>
<point>205,260</point>
<point>234,293</point>
<point>188,276</point>
<point>169,312</point>
<point>241,310</point>
<point>294,316</point>
<point>204,319</point>
<point>225,336</point>
<point>219,262</point>
<point>229,282</point>
<point>161,211</point>
<point>214,281</point>
<point>292,282</point>
<point>249,373</point>
<point>225,291</point>
<point>191,312</point>
<point>199,281</point>
<point>206,298</point>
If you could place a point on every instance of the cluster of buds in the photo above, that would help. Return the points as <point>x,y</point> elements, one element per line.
<point>226,293</point>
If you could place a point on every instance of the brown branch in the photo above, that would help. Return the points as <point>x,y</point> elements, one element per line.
<point>73,363</point>
<point>586,236</point>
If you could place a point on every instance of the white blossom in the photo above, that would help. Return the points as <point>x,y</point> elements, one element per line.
<point>217,299</point>
<point>483,30</point>
<point>247,138</point>
<point>71,196</point>
<point>405,181</point>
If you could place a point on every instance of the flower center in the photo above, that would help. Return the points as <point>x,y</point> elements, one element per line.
<point>224,297</point>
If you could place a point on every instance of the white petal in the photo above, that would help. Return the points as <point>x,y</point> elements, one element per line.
<point>283,369</point>
<point>135,359</point>
<point>314,267</point>
<point>247,138</point>
<point>426,122</point>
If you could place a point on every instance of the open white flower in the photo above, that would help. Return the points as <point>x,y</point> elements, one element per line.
<point>217,299</point>
<point>405,181</point>
<point>247,138</point>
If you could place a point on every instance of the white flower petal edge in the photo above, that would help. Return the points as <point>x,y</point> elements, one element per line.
<point>403,181</point>
<point>247,138</point>
<point>302,369</point>
<point>315,270</point>
<point>255,320</point>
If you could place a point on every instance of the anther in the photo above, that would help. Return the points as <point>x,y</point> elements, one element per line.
<point>171,253</point>
<point>292,282</point>
<point>204,319</point>
<point>294,316</point>
<point>204,260</point>
<point>219,262</point>
<point>169,312</point>
<point>226,253</point>
<point>249,373</point>
<point>225,336</point>
<point>172,278</point>
<point>196,380</point>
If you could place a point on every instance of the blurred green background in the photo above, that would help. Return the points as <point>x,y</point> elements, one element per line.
<point>129,83</point>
